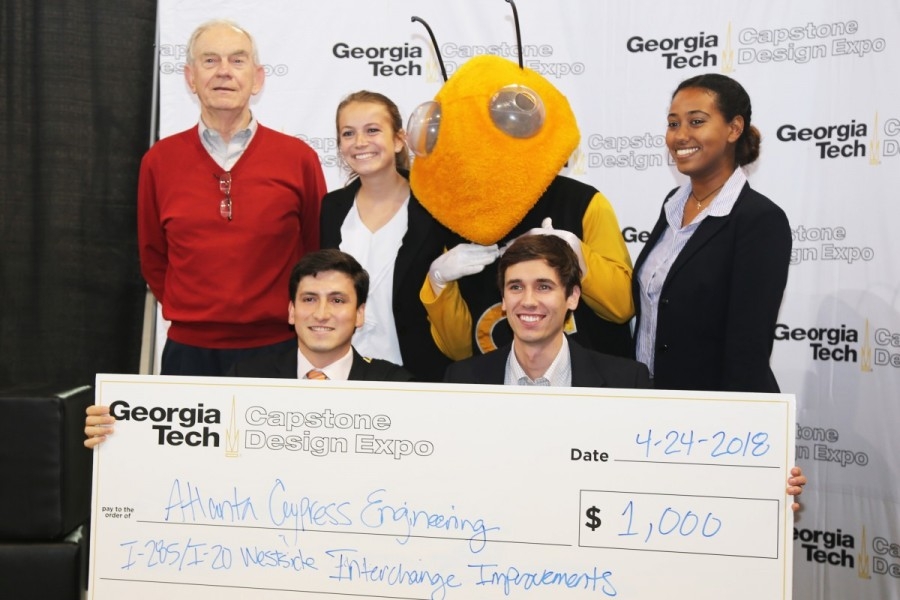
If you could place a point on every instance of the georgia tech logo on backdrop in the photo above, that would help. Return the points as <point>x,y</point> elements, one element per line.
<point>172,61</point>
<point>872,346</point>
<point>757,44</point>
<point>834,548</point>
<point>847,139</point>
<point>634,235</point>
<point>407,60</point>
<point>695,49</point>
<point>397,60</point>
<point>801,43</point>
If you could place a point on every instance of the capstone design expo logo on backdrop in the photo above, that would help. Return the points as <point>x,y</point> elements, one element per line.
<point>172,62</point>
<point>537,57</point>
<point>849,139</point>
<point>757,44</point>
<point>803,43</point>
<point>827,244</point>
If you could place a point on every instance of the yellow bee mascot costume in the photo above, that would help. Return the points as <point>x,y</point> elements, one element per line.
<point>489,148</point>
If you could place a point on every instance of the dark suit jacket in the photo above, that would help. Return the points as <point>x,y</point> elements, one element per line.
<point>589,369</point>
<point>283,365</point>
<point>719,304</point>
<point>424,241</point>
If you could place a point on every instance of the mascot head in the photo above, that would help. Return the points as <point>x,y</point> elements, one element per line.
<point>489,145</point>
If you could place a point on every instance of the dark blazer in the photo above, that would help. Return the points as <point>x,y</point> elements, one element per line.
<point>283,365</point>
<point>719,304</point>
<point>424,241</point>
<point>589,369</point>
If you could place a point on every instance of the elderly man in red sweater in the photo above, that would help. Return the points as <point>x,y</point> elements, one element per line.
<point>225,209</point>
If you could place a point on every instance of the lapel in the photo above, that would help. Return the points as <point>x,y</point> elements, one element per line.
<point>418,230</point>
<point>492,366</point>
<point>584,373</point>
<point>657,232</point>
<point>359,368</point>
<point>286,364</point>
<point>339,205</point>
<point>708,229</point>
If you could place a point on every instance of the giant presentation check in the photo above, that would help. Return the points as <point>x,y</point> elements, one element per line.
<point>252,488</point>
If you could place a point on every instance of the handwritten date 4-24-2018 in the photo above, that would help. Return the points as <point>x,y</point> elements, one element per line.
<point>719,444</point>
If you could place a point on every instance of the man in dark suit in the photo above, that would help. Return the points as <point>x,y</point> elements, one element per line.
<point>539,280</point>
<point>538,277</point>
<point>327,292</point>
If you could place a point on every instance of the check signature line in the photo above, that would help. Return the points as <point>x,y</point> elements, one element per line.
<point>263,589</point>
<point>367,533</point>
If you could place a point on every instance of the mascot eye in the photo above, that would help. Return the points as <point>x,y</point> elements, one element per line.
<point>517,111</point>
<point>423,127</point>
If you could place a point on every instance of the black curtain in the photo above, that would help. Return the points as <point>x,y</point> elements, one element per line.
<point>75,108</point>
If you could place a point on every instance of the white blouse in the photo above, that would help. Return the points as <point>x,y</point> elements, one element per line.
<point>377,253</point>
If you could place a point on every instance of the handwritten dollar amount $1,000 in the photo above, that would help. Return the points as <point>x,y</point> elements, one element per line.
<point>670,521</point>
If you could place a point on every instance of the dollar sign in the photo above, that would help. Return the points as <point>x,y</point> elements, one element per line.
<point>593,520</point>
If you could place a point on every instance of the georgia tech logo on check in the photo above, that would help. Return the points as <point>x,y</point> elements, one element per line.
<point>258,428</point>
<point>175,426</point>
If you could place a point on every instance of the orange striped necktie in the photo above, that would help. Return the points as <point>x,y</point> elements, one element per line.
<point>316,374</point>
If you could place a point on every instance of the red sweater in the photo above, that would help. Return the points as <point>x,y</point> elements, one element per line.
<point>224,284</point>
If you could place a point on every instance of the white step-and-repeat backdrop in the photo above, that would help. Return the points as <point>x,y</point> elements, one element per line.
<point>823,77</point>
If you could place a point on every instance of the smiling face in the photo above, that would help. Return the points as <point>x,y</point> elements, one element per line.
<point>222,72</point>
<point>368,141</point>
<point>325,314</point>
<point>699,138</point>
<point>536,303</point>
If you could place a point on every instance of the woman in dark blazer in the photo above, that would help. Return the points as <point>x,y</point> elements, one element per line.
<point>709,282</point>
<point>376,218</point>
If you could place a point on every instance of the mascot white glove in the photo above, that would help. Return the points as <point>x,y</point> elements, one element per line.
<point>570,238</point>
<point>459,261</point>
